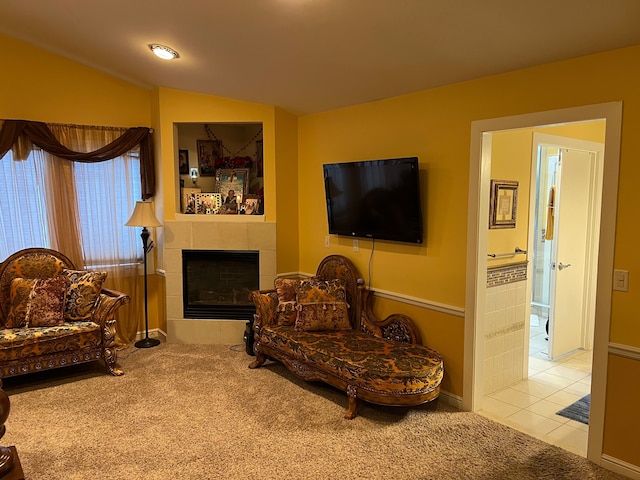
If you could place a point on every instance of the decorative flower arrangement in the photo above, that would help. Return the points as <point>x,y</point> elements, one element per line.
<point>235,162</point>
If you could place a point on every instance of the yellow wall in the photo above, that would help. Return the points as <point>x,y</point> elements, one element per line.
<point>511,159</point>
<point>286,134</point>
<point>621,421</point>
<point>41,86</point>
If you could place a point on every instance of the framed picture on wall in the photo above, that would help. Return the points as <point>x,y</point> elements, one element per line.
<point>209,151</point>
<point>183,162</point>
<point>503,204</point>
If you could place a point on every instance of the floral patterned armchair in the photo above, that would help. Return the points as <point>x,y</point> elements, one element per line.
<point>52,315</point>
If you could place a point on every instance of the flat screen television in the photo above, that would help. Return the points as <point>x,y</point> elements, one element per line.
<point>377,199</point>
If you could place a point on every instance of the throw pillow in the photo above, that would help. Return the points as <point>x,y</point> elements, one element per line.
<point>47,301</point>
<point>322,305</point>
<point>19,292</point>
<point>84,291</point>
<point>286,290</point>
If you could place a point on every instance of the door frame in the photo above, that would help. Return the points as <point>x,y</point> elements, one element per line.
<point>595,196</point>
<point>476,265</point>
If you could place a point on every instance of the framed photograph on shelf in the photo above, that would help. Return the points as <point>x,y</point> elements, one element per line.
<point>183,162</point>
<point>207,203</point>
<point>232,184</point>
<point>251,205</point>
<point>208,152</point>
<point>503,204</point>
<point>188,199</point>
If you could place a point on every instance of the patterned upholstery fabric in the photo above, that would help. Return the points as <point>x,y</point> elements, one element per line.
<point>83,294</point>
<point>19,292</point>
<point>322,305</point>
<point>266,306</point>
<point>345,270</point>
<point>32,265</point>
<point>370,363</point>
<point>286,290</point>
<point>91,336</point>
<point>46,303</point>
<point>19,343</point>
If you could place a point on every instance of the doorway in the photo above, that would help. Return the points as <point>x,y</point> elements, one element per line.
<point>563,239</point>
<point>562,246</point>
<point>478,211</point>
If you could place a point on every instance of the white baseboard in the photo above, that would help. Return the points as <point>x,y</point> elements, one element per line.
<point>621,467</point>
<point>153,333</point>
<point>451,399</point>
<point>626,351</point>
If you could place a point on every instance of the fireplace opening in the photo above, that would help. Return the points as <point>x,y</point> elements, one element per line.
<point>216,283</point>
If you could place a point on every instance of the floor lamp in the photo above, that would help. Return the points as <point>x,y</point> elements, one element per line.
<point>143,216</point>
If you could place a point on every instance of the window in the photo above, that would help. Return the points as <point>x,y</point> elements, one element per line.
<point>23,221</point>
<point>105,196</point>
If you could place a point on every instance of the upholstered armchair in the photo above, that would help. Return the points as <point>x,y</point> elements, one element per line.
<point>53,315</point>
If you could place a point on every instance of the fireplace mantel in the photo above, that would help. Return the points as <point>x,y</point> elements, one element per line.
<point>229,218</point>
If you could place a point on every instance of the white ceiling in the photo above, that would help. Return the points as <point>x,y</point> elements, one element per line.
<point>315,55</point>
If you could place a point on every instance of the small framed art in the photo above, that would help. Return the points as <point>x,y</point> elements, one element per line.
<point>503,204</point>
<point>183,162</point>
<point>209,151</point>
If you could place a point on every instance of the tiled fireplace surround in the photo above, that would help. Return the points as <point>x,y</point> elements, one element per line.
<point>202,232</point>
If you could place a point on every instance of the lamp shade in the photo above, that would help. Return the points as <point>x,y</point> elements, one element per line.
<point>143,216</point>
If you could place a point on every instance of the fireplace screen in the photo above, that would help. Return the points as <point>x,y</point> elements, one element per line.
<point>216,283</point>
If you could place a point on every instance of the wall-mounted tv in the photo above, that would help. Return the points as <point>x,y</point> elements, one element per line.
<point>375,199</point>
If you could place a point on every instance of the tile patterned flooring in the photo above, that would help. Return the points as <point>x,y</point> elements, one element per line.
<point>531,405</point>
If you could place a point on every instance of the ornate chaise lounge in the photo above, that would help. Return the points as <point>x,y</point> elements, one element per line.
<point>42,328</point>
<point>323,329</point>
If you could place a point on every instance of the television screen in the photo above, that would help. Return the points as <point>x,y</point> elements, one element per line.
<point>375,199</point>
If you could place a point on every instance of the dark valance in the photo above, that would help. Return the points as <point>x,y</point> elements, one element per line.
<point>40,135</point>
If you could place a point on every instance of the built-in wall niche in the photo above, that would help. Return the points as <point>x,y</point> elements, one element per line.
<point>220,168</point>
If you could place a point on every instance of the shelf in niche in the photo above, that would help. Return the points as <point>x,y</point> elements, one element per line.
<point>184,217</point>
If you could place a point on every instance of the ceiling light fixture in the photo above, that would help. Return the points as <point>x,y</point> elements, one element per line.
<point>163,51</point>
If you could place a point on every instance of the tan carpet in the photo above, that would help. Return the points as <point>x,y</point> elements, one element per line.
<point>198,412</point>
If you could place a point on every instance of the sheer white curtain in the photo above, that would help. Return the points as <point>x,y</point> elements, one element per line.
<point>22,204</point>
<point>105,195</point>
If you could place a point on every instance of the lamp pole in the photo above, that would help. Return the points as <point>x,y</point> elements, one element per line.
<point>143,216</point>
<point>146,248</point>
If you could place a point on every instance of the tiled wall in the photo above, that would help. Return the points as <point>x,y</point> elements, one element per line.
<point>505,344</point>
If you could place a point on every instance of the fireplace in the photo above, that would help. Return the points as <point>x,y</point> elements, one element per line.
<point>216,283</point>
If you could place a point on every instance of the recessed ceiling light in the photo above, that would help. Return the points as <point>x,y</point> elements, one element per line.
<point>163,51</point>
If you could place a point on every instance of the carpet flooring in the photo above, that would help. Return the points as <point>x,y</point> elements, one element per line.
<point>578,411</point>
<point>197,412</point>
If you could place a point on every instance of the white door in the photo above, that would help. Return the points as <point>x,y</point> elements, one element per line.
<point>569,259</point>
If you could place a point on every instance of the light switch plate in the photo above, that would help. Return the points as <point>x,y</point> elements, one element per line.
<point>356,246</point>
<point>621,280</point>
<point>327,241</point>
